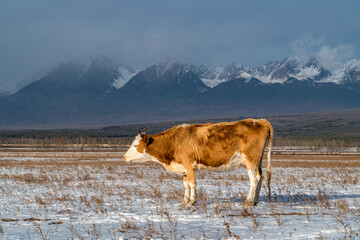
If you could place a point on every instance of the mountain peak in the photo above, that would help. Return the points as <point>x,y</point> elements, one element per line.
<point>348,73</point>
<point>212,75</point>
<point>352,72</point>
<point>168,61</point>
<point>166,77</point>
<point>312,63</point>
<point>353,64</point>
<point>294,61</point>
<point>277,72</point>
<point>169,65</point>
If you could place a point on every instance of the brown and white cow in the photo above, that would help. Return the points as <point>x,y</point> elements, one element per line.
<point>221,146</point>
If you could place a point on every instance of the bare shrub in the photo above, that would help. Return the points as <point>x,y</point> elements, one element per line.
<point>128,227</point>
<point>343,205</point>
<point>255,224</point>
<point>228,234</point>
<point>94,232</point>
<point>323,199</point>
<point>40,231</point>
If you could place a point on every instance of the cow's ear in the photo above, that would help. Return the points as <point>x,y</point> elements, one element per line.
<point>140,134</point>
<point>147,140</point>
<point>151,140</point>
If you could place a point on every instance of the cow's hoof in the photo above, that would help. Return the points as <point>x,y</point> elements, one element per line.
<point>249,204</point>
<point>192,202</point>
<point>185,202</point>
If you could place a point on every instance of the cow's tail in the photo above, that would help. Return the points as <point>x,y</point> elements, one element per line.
<point>270,137</point>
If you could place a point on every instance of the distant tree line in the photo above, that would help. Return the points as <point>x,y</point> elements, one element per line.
<point>308,130</point>
<point>333,142</point>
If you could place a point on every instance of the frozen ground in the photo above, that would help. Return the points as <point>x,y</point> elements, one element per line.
<point>64,198</point>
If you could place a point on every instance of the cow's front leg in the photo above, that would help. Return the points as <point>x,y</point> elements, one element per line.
<point>191,177</point>
<point>187,191</point>
<point>192,193</point>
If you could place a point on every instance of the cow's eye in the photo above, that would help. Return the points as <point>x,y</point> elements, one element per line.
<point>136,145</point>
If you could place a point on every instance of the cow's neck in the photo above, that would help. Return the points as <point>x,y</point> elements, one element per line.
<point>162,148</point>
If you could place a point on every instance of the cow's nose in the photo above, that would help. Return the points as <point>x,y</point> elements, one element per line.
<point>125,159</point>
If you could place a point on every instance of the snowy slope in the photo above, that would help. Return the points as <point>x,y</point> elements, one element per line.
<point>213,75</point>
<point>349,72</point>
<point>125,74</point>
<point>277,72</point>
<point>210,75</point>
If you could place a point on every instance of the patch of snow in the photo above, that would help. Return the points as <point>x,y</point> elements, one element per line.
<point>124,76</point>
<point>217,75</point>
<point>335,77</point>
<point>353,64</point>
<point>338,75</point>
<point>268,79</point>
<point>211,77</point>
<point>212,82</point>
<point>245,75</point>
<point>306,73</point>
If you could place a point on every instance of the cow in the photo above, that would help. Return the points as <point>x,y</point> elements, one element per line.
<point>223,146</point>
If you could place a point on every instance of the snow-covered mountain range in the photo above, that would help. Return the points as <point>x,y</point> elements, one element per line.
<point>280,72</point>
<point>99,91</point>
<point>272,72</point>
<point>211,75</point>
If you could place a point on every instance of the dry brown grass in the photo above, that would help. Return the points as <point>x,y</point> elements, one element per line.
<point>312,164</point>
<point>312,157</point>
<point>91,156</point>
<point>310,161</point>
<point>61,164</point>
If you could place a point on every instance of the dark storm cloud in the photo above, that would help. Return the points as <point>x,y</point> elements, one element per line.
<point>36,35</point>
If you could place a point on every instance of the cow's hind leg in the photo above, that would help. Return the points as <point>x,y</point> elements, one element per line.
<point>258,184</point>
<point>255,178</point>
<point>187,191</point>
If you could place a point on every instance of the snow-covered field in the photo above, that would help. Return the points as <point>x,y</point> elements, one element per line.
<point>66,197</point>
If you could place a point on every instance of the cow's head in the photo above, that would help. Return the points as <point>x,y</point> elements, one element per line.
<point>138,151</point>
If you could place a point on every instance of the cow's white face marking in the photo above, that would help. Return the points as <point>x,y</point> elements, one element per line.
<point>237,160</point>
<point>132,154</point>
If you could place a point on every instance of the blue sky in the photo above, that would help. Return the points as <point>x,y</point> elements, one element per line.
<point>37,35</point>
